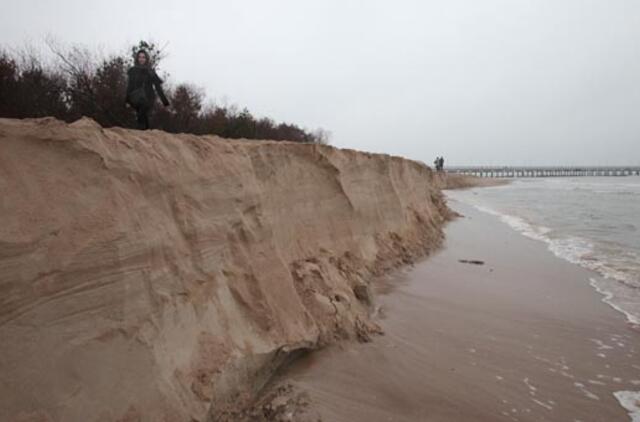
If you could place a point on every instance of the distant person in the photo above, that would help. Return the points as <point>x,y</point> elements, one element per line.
<point>142,85</point>
<point>441,164</point>
<point>436,163</point>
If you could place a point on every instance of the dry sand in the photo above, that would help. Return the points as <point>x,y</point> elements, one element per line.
<point>523,337</point>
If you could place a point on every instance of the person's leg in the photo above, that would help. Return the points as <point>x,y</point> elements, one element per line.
<point>139,117</point>
<point>146,119</point>
<point>142,115</point>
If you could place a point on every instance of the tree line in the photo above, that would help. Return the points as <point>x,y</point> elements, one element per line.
<point>74,83</point>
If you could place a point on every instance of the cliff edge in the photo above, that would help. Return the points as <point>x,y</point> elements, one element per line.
<point>148,276</point>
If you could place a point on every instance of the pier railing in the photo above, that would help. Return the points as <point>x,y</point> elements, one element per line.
<point>545,171</point>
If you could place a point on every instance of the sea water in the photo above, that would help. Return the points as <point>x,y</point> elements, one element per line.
<point>593,222</point>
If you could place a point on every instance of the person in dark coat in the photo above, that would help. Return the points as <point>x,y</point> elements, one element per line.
<point>143,83</point>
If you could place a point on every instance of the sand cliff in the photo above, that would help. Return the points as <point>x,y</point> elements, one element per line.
<point>146,276</point>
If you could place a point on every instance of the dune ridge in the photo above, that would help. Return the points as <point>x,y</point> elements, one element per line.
<point>148,276</point>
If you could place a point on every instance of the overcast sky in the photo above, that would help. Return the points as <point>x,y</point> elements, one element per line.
<point>478,81</point>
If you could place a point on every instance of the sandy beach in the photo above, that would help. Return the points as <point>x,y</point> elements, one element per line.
<point>521,337</point>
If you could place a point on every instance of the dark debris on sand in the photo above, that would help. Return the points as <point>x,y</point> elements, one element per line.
<point>471,261</point>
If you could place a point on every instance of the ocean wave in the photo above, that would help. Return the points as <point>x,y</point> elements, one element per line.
<point>519,224</point>
<point>610,299</point>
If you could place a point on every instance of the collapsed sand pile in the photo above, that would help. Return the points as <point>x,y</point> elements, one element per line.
<point>146,276</point>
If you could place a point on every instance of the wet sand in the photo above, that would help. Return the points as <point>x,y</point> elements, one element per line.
<point>523,337</point>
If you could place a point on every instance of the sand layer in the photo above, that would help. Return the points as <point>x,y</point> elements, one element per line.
<point>519,336</point>
<point>154,277</point>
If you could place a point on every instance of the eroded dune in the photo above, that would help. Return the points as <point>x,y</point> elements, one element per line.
<point>146,276</point>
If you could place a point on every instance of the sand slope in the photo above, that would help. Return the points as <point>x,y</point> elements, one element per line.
<point>146,276</point>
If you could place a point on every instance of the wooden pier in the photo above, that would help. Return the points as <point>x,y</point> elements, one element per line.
<point>511,172</point>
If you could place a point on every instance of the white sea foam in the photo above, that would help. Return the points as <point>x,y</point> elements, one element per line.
<point>601,344</point>
<point>546,406</point>
<point>586,392</point>
<point>630,400</point>
<point>608,299</point>
<point>532,388</point>
<point>518,223</point>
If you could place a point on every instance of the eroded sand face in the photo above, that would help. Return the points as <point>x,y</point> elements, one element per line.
<point>154,277</point>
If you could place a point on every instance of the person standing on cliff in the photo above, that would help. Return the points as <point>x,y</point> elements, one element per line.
<point>143,83</point>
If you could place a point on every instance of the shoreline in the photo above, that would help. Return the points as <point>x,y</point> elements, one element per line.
<point>452,181</point>
<point>614,281</point>
<point>522,337</point>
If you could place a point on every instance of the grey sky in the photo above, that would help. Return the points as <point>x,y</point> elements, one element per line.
<point>478,81</point>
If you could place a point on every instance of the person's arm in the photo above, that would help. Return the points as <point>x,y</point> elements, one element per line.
<point>157,83</point>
